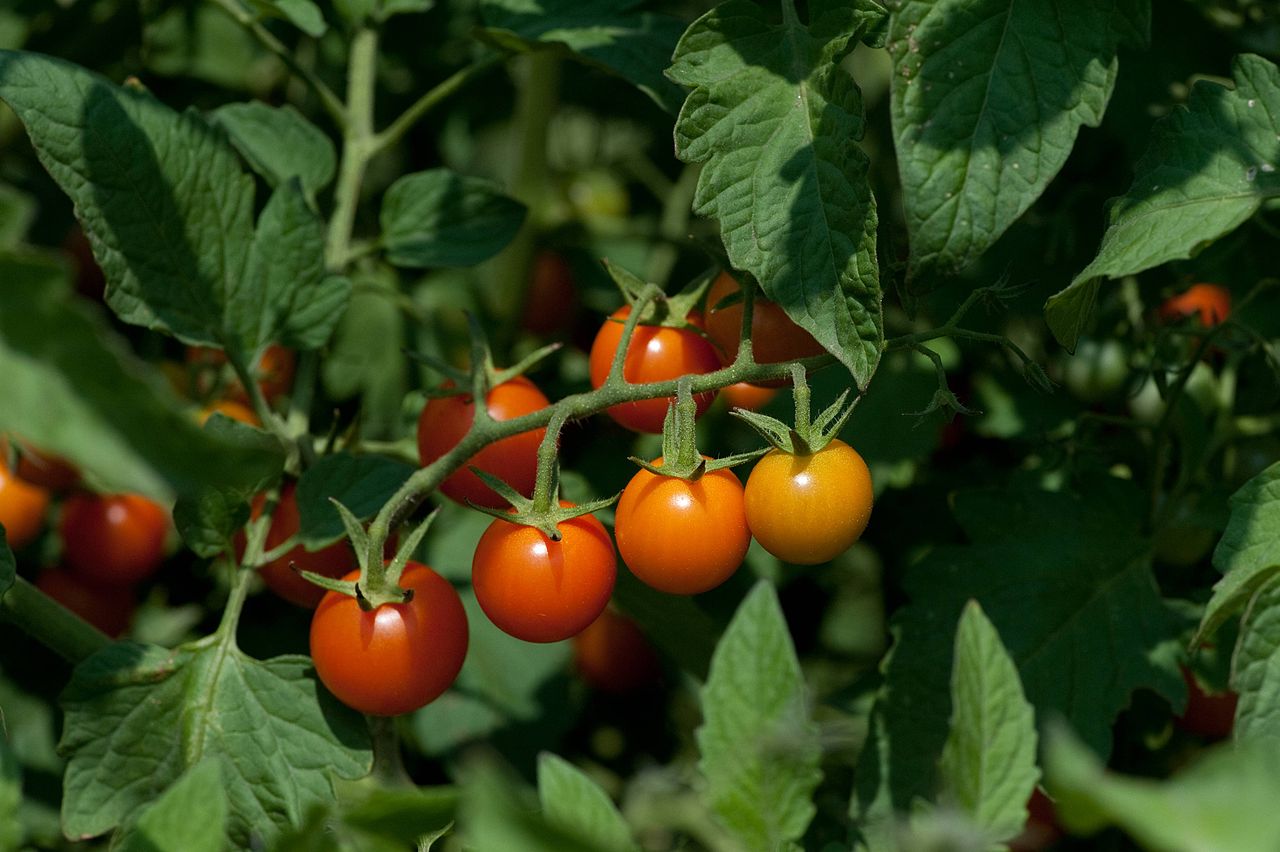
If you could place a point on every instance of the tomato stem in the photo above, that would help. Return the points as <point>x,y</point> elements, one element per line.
<point>55,626</point>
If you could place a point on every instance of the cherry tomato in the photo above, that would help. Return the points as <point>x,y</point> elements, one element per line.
<point>774,337</point>
<point>748,396</point>
<point>333,560</point>
<point>541,590</point>
<point>22,508</point>
<point>1211,303</point>
<point>551,298</point>
<point>612,654</point>
<point>1209,716</point>
<point>514,460</point>
<point>1041,830</point>
<point>230,408</point>
<point>115,539</point>
<point>682,537</point>
<point>274,370</point>
<point>809,509</point>
<point>398,657</point>
<point>656,354</point>
<point>43,469</point>
<point>108,608</point>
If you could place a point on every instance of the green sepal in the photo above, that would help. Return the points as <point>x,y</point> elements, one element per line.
<point>524,365</point>
<point>396,569</point>
<point>344,587</point>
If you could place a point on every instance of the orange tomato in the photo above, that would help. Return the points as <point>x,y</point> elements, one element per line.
<point>1209,302</point>
<point>22,508</point>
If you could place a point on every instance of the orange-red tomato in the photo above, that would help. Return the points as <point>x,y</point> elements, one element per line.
<point>679,536</point>
<point>514,460</point>
<point>613,655</point>
<point>810,508</point>
<point>541,590</point>
<point>551,298</point>
<point>748,396</point>
<point>22,508</point>
<point>108,608</point>
<point>774,337</point>
<point>43,469</point>
<point>112,539</point>
<point>656,354</point>
<point>397,658</point>
<point>1209,302</point>
<point>1209,716</point>
<point>274,370</point>
<point>230,408</point>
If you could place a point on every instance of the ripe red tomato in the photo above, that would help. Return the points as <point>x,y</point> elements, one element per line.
<point>514,460</point>
<point>1209,716</point>
<point>541,590</point>
<point>774,337</point>
<point>108,608</point>
<point>43,469</point>
<point>112,539</point>
<point>333,560</point>
<point>656,354</point>
<point>612,654</point>
<point>1211,303</point>
<point>229,408</point>
<point>398,657</point>
<point>809,509</point>
<point>551,298</point>
<point>22,508</point>
<point>274,370</point>
<point>682,537</point>
<point>1041,830</point>
<point>748,396</point>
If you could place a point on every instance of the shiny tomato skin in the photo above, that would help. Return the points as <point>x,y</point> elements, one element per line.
<point>775,338</point>
<point>1209,302</point>
<point>398,657</point>
<point>656,354</point>
<point>682,537</point>
<point>748,396</point>
<point>613,655</point>
<point>22,508</point>
<point>808,509</point>
<point>108,608</point>
<point>112,539</point>
<point>514,460</point>
<point>332,560</point>
<point>540,590</point>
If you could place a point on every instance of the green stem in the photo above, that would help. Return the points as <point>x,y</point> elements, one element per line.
<point>226,632</point>
<point>357,147</point>
<point>396,131</point>
<point>48,621</point>
<point>388,763</point>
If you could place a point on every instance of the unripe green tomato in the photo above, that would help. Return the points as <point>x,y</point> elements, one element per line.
<point>1147,407</point>
<point>1096,371</point>
<point>598,197</point>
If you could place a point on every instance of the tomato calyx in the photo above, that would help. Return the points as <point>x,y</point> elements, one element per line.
<point>479,381</point>
<point>379,582</point>
<point>809,434</point>
<point>681,458</point>
<point>650,306</point>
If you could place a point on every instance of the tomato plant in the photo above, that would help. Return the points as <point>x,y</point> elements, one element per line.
<point>397,658</point>
<point>774,337</point>
<point>655,354</point>
<point>1209,303</point>
<point>445,420</point>
<point>541,590</point>
<point>679,536</point>
<point>22,508</point>
<point>112,539</point>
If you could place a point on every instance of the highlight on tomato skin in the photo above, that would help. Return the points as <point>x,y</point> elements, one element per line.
<point>108,608</point>
<point>613,655</point>
<point>397,658</point>
<point>1210,303</point>
<point>112,539</point>
<point>655,354</point>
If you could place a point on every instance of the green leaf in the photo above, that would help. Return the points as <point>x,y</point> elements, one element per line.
<point>1209,167</point>
<point>17,212</point>
<point>303,14</point>
<point>138,717</point>
<point>287,296</point>
<point>1248,555</point>
<point>8,567</point>
<point>987,99</point>
<point>776,119</point>
<point>375,818</point>
<point>160,194</point>
<point>191,815</point>
<point>441,218</point>
<point>279,143</point>
<point>361,483</point>
<point>989,759</point>
<point>203,42</point>
<point>1224,801</point>
<point>610,34</point>
<point>366,358</point>
<point>760,750</point>
<point>11,833</point>
<point>1067,582</point>
<point>498,815</point>
<point>575,803</point>
<point>1255,671</point>
<point>75,383</point>
<point>400,7</point>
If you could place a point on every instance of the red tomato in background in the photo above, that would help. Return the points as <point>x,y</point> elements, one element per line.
<point>274,371</point>
<point>22,508</point>
<point>541,590</point>
<point>112,539</point>
<point>748,396</point>
<point>514,460</point>
<point>613,655</point>
<point>656,354</point>
<point>1209,716</point>
<point>551,298</point>
<point>398,657</point>
<point>774,337</point>
<point>1209,302</point>
<point>1041,830</point>
<point>108,608</point>
<point>43,469</point>
<point>682,537</point>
